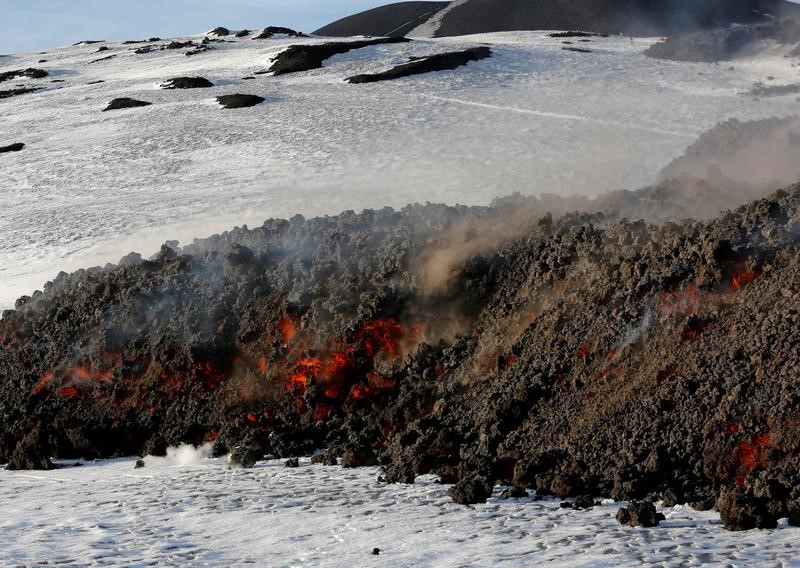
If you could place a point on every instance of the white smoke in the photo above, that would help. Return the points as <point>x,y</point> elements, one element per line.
<point>182,455</point>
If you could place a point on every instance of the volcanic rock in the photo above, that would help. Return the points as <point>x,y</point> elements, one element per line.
<point>29,73</point>
<point>243,33</point>
<point>220,32</point>
<point>639,514</point>
<point>180,44</point>
<point>741,511</point>
<point>580,503</point>
<point>272,31</point>
<point>32,452</point>
<point>419,65</point>
<point>359,457</point>
<point>244,456</point>
<point>124,103</point>
<point>376,551</point>
<point>513,493</point>
<point>471,490</point>
<point>577,49</point>
<point>298,58</point>
<point>292,462</point>
<point>187,83</point>
<point>139,464</point>
<point>239,101</point>
<point>18,91</point>
<point>16,147</point>
<point>394,20</point>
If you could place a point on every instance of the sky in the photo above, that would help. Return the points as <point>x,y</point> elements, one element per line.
<point>32,25</point>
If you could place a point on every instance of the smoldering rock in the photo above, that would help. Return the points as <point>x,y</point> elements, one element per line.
<point>187,83</point>
<point>239,101</point>
<point>428,64</point>
<point>125,102</point>
<point>639,514</point>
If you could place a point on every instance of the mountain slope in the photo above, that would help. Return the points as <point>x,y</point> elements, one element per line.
<point>392,20</point>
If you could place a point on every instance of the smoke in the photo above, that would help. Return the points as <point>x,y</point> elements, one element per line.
<point>183,455</point>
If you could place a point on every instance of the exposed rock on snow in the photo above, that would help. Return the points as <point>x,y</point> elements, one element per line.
<point>187,83</point>
<point>125,102</point>
<point>18,91</point>
<point>272,31</point>
<point>220,32</point>
<point>239,101</point>
<point>305,57</point>
<point>16,147</point>
<point>639,514</point>
<point>471,490</point>
<point>428,64</point>
<point>29,73</point>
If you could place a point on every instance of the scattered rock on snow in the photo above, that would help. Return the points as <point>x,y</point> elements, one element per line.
<point>29,73</point>
<point>18,91</point>
<point>297,58</point>
<point>639,514</point>
<point>271,31</point>
<point>139,464</point>
<point>243,33</point>
<point>239,101</point>
<point>418,65</point>
<point>513,493</point>
<point>580,503</point>
<point>293,462</point>
<point>244,456</point>
<point>474,489</point>
<point>220,32</point>
<point>16,147</point>
<point>187,83</point>
<point>125,102</point>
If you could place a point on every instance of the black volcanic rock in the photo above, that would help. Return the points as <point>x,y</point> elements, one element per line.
<point>220,32</point>
<point>394,20</point>
<point>125,102</point>
<point>298,58</point>
<point>16,147</point>
<point>639,514</point>
<point>271,31</point>
<point>29,73</point>
<point>187,83</point>
<point>243,33</point>
<point>471,490</point>
<point>18,91</point>
<point>419,65</point>
<point>239,101</point>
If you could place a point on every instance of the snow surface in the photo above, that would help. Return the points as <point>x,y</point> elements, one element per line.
<point>107,513</point>
<point>92,186</point>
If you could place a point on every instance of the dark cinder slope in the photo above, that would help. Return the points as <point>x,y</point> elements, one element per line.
<point>636,17</point>
<point>389,21</point>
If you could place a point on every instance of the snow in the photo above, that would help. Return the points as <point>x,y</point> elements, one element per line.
<point>108,513</point>
<point>92,186</point>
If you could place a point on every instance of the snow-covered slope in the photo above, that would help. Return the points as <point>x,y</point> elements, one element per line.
<point>108,514</point>
<point>91,186</point>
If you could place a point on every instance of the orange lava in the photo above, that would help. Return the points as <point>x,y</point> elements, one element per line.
<point>287,330</point>
<point>744,278</point>
<point>68,392</point>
